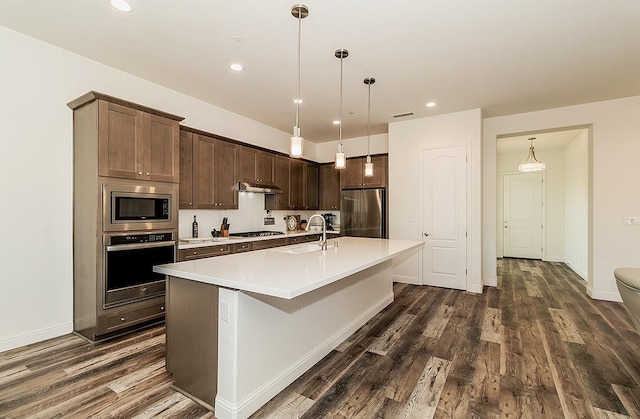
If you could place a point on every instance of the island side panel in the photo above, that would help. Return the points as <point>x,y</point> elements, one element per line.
<point>268,342</point>
<point>192,338</point>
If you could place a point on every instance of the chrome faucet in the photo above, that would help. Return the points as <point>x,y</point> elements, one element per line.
<point>323,241</point>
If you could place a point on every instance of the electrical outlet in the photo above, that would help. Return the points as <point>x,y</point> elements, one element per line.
<point>269,221</point>
<point>631,220</point>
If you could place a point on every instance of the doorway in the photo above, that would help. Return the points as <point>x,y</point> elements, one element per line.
<point>565,213</point>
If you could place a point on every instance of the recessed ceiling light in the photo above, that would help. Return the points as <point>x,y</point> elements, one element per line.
<point>336,122</point>
<point>236,67</point>
<point>121,5</point>
<point>431,104</point>
<point>298,100</point>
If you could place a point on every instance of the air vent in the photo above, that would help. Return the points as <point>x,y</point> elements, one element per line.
<point>400,115</point>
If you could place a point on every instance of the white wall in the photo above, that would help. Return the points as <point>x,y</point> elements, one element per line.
<point>577,204</point>
<point>406,141</point>
<point>326,152</point>
<point>36,81</point>
<point>615,148</point>
<point>554,192</point>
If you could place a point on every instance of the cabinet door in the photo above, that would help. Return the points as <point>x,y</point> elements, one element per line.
<point>379,178</point>
<point>351,177</point>
<point>161,149</point>
<point>247,161</point>
<point>329,187</point>
<point>296,184</point>
<point>203,174</point>
<point>120,141</point>
<point>225,175</point>
<point>186,171</point>
<point>281,179</point>
<point>264,168</point>
<point>311,185</point>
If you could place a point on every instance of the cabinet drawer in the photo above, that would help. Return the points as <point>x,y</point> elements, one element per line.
<point>131,317</point>
<point>242,247</point>
<point>312,238</point>
<point>266,244</point>
<point>205,252</point>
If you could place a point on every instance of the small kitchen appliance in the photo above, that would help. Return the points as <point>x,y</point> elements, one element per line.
<point>329,219</point>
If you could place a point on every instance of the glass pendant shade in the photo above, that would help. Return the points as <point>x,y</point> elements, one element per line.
<point>297,143</point>
<point>531,164</point>
<point>341,161</point>
<point>368,167</point>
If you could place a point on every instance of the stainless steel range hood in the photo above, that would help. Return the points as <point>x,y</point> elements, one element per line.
<point>257,188</point>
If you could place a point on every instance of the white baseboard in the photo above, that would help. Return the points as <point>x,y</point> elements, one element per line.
<point>476,288</point>
<point>582,275</point>
<point>405,279</point>
<point>244,408</point>
<point>491,282</point>
<point>28,338</point>
<point>603,295</point>
<point>548,258</point>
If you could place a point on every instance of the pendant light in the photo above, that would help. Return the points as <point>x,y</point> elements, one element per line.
<point>531,164</point>
<point>299,11</point>
<point>368,166</point>
<point>341,161</point>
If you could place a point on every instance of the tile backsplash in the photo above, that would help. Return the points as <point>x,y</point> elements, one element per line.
<point>248,217</point>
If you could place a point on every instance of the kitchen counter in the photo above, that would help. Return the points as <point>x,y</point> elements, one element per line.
<point>242,327</point>
<point>212,241</point>
<point>280,272</point>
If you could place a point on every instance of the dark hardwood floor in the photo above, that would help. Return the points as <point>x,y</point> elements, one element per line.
<point>535,346</point>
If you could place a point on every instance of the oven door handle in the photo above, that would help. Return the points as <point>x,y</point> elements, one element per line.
<point>118,247</point>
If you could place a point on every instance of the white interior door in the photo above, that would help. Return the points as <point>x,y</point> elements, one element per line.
<point>444,217</point>
<point>522,227</point>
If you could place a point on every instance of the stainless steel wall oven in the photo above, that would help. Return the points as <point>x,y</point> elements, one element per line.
<point>128,265</point>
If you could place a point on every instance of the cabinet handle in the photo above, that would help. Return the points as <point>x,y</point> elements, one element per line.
<point>195,252</point>
<point>122,319</point>
<point>190,203</point>
<point>143,289</point>
<point>161,308</point>
<point>147,173</point>
<point>140,172</point>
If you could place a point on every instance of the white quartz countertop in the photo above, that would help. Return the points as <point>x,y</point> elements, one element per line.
<point>282,272</point>
<point>189,243</point>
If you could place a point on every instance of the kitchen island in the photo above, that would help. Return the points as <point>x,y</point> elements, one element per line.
<point>242,327</point>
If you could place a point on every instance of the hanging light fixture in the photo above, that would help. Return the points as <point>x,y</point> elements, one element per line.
<point>531,164</point>
<point>299,11</point>
<point>368,166</point>
<point>341,161</point>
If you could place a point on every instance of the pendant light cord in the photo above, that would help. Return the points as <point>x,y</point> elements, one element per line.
<point>340,128</point>
<point>369,123</point>
<point>297,133</point>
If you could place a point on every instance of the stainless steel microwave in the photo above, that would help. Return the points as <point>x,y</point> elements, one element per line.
<point>135,207</point>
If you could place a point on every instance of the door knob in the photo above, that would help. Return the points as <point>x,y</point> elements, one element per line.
<point>427,234</point>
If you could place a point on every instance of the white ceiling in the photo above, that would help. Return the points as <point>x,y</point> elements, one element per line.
<point>504,56</point>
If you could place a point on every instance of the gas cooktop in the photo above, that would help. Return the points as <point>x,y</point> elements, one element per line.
<point>257,233</point>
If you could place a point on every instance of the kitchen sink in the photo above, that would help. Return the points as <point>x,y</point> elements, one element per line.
<point>304,248</point>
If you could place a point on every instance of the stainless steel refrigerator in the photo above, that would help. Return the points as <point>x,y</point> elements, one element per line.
<point>363,213</point>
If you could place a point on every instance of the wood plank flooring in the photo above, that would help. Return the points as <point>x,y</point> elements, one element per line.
<point>535,346</point>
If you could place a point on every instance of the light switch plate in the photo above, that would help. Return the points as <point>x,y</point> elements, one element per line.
<point>224,311</point>
<point>269,221</point>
